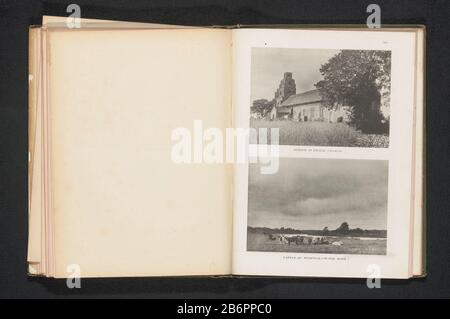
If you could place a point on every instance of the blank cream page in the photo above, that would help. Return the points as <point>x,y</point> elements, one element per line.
<point>121,206</point>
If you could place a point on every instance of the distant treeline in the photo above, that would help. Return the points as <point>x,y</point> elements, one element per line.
<point>342,230</point>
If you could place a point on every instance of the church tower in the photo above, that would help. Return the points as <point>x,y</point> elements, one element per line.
<point>286,88</point>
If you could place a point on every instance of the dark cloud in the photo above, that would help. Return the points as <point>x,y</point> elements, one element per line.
<point>311,193</point>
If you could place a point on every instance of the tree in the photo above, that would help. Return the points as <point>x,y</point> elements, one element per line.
<point>325,230</point>
<point>343,229</point>
<point>358,79</point>
<point>260,108</point>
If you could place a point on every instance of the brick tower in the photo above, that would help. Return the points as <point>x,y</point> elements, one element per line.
<point>286,88</point>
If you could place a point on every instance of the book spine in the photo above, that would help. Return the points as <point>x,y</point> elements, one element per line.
<point>34,255</point>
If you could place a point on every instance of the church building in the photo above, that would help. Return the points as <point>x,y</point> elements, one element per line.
<point>305,106</point>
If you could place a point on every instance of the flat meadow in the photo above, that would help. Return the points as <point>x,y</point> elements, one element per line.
<point>320,134</point>
<point>262,242</point>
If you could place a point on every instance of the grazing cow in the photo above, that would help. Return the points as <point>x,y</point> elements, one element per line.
<point>272,237</point>
<point>319,240</point>
<point>292,239</point>
<point>299,240</point>
<point>283,239</point>
<point>337,243</point>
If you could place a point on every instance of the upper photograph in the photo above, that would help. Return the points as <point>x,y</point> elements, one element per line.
<point>319,97</point>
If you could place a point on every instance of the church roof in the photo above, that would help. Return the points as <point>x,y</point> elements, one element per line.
<point>303,98</point>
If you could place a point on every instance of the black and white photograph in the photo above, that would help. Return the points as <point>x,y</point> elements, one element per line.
<point>329,206</point>
<point>321,97</point>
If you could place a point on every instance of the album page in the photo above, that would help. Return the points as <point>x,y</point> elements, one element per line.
<point>120,100</point>
<point>327,188</point>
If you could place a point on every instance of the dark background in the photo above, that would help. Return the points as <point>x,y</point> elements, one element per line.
<point>16,16</point>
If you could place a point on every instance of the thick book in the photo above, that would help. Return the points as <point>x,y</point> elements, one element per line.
<point>158,150</point>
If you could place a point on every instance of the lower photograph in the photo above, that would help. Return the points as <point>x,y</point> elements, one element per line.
<point>321,206</point>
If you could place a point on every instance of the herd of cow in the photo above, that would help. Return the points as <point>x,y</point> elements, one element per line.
<point>304,240</point>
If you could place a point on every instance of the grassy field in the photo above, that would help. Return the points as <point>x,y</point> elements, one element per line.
<point>321,134</point>
<point>262,242</point>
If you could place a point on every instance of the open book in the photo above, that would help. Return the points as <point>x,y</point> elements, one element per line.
<point>178,151</point>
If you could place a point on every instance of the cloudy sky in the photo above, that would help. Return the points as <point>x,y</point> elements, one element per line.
<point>269,65</point>
<point>314,193</point>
